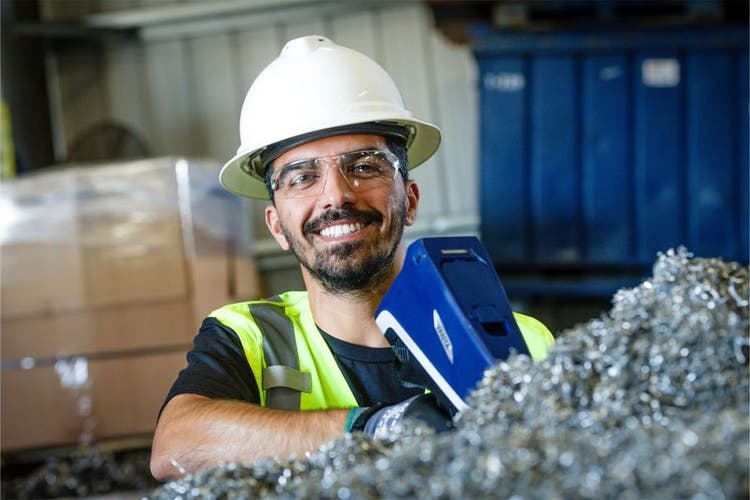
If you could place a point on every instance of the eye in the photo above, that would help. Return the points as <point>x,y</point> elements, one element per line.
<point>365,168</point>
<point>297,175</point>
<point>300,179</point>
<point>369,164</point>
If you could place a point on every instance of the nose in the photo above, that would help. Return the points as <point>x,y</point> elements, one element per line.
<point>336,188</point>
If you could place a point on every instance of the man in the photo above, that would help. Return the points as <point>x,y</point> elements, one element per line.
<point>325,136</point>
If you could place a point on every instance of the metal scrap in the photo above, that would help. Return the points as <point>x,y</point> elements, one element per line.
<point>650,400</point>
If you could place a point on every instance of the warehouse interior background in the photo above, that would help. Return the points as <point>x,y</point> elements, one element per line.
<point>580,138</point>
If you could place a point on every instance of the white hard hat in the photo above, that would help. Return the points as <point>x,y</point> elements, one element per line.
<point>316,89</point>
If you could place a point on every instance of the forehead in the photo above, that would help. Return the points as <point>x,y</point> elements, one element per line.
<point>331,146</point>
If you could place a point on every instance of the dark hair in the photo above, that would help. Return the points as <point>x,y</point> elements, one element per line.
<point>394,145</point>
<point>398,148</point>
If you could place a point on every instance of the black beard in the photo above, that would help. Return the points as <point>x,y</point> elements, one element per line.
<point>342,276</point>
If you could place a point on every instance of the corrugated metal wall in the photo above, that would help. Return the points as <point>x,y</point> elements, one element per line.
<point>182,90</point>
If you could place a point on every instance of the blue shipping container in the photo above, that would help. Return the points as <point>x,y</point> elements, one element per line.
<point>599,150</point>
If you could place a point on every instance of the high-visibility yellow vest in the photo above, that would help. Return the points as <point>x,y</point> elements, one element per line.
<point>291,362</point>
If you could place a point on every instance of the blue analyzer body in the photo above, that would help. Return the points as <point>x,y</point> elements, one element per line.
<point>447,317</point>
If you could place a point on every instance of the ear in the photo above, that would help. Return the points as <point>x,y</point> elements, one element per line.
<point>412,197</point>
<point>272,222</point>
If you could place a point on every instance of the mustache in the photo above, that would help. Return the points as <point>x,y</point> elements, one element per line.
<point>365,217</point>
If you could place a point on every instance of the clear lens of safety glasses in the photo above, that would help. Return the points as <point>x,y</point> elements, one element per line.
<point>363,170</point>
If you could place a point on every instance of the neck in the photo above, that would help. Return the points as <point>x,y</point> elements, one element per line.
<point>351,316</point>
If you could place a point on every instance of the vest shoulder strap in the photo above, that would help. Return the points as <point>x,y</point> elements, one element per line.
<point>537,337</point>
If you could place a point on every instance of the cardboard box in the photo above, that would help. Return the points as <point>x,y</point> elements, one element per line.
<point>120,274</point>
<point>51,285</point>
<point>91,237</point>
<point>83,400</point>
<point>112,267</point>
<point>90,332</point>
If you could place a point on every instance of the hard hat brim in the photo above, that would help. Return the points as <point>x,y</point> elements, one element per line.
<point>237,176</point>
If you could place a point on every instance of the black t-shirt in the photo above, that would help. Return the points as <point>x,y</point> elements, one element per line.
<point>217,368</point>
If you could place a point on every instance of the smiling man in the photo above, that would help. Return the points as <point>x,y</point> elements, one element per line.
<point>326,137</point>
<point>344,196</point>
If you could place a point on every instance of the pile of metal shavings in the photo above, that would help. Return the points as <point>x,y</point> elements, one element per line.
<point>651,400</point>
<point>87,471</point>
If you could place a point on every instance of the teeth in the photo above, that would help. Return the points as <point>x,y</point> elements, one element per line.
<point>341,230</point>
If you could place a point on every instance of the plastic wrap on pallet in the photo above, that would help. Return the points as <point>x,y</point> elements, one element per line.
<point>108,269</point>
<point>85,224</point>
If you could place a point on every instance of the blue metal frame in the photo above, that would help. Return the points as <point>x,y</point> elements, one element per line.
<point>600,149</point>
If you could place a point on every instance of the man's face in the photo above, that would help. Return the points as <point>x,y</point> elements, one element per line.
<point>346,238</point>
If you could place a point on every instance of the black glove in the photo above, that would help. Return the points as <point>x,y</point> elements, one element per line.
<point>412,374</point>
<point>381,421</point>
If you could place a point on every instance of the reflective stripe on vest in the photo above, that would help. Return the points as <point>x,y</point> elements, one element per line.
<point>263,328</point>
<point>281,378</point>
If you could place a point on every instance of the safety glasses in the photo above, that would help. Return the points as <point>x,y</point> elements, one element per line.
<point>362,170</point>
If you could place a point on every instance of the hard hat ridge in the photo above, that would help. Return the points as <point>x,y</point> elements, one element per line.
<point>317,89</point>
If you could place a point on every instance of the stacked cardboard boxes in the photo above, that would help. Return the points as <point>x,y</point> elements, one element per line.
<point>106,273</point>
